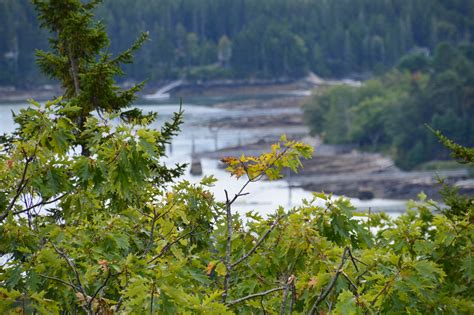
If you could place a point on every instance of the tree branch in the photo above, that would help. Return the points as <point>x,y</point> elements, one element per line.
<point>109,275</point>
<point>251,296</point>
<point>41,203</point>
<point>332,284</point>
<point>19,190</point>
<point>71,264</point>
<point>259,242</point>
<point>352,284</point>
<point>384,288</point>
<point>153,223</point>
<point>293,297</point>
<point>284,299</point>
<point>168,246</point>
<point>61,281</point>
<point>228,252</point>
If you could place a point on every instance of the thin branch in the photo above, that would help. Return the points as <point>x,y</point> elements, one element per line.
<point>72,266</point>
<point>153,223</point>
<point>384,288</point>
<point>120,300</point>
<point>61,281</point>
<point>352,284</point>
<point>168,246</point>
<point>109,275</point>
<point>228,252</point>
<point>290,282</point>
<point>21,185</point>
<point>259,242</point>
<point>239,194</point>
<point>41,203</point>
<point>251,296</point>
<point>69,284</point>
<point>228,206</point>
<point>332,284</point>
<point>293,297</point>
<point>353,261</point>
<point>152,298</point>
<point>263,306</point>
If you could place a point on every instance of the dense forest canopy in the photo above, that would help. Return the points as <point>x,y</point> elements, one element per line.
<point>210,39</point>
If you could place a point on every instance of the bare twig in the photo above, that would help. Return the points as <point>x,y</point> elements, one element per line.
<point>263,306</point>
<point>284,299</point>
<point>71,264</point>
<point>293,297</point>
<point>288,285</point>
<point>120,300</point>
<point>353,261</point>
<point>251,296</point>
<point>152,298</point>
<point>228,206</point>
<point>41,203</point>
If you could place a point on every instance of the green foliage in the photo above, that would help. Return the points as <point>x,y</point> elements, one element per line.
<point>390,112</point>
<point>465,155</point>
<point>270,39</point>
<point>115,231</point>
<point>104,233</point>
<point>79,59</point>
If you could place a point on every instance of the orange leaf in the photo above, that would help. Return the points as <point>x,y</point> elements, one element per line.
<point>210,267</point>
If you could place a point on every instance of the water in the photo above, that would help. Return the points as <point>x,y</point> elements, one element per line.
<point>197,131</point>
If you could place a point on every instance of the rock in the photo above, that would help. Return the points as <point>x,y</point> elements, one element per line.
<point>365,195</point>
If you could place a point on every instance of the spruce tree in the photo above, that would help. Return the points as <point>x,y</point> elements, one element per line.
<point>80,61</point>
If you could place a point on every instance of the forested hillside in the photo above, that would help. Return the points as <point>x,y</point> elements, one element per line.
<point>390,112</point>
<point>250,38</point>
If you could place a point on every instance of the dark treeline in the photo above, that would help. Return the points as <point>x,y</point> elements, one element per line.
<point>250,38</point>
<point>393,112</point>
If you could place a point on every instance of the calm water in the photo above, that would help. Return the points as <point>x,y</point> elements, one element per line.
<point>196,133</point>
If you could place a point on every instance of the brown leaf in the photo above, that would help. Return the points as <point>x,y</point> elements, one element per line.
<point>104,264</point>
<point>312,282</point>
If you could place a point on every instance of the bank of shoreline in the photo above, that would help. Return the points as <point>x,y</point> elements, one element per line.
<point>336,169</point>
<point>187,89</point>
<point>355,174</point>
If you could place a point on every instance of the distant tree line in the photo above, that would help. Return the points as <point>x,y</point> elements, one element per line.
<point>209,39</point>
<point>392,112</point>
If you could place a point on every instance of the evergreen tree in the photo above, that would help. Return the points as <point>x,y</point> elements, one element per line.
<point>80,62</point>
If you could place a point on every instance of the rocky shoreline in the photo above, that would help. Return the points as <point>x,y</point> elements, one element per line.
<point>365,176</point>
<point>338,169</point>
